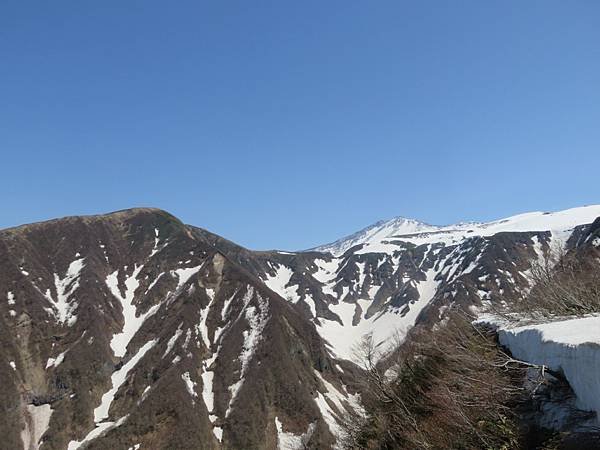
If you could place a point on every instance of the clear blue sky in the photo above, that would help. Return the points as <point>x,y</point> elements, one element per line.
<point>286,124</point>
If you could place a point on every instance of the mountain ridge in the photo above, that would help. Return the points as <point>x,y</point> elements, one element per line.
<point>133,328</point>
<point>400,226</point>
<point>394,225</point>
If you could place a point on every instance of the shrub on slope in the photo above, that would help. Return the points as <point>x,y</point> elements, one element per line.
<point>452,388</point>
<point>564,284</point>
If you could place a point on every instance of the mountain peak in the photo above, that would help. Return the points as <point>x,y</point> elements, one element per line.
<point>120,215</point>
<point>418,232</point>
<point>396,226</point>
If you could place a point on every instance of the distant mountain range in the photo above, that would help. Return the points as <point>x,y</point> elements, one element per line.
<point>132,330</point>
<point>416,231</point>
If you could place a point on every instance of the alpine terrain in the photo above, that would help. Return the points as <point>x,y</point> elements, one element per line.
<point>133,330</point>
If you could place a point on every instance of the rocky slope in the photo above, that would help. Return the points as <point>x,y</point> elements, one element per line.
<point>126,329</point>
<point>385,282</point>
<point>133,330</point>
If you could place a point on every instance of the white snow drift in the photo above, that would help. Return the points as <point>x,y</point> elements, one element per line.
<point>569,346</point>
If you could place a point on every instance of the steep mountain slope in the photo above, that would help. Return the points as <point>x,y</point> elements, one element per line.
<point>386,282</point>
<point>134,329</point>
<point>125,330</point>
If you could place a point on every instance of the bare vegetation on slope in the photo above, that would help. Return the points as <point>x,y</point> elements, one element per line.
<point>564,284</point>
<point>453,388</point>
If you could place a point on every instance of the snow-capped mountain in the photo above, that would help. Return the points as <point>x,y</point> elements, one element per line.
<point>386,278</point>
<point>384,229</point>
<point>133,330</point>
<point>375,237</point>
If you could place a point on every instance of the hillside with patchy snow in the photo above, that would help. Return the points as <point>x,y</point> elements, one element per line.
<point>133,330</point>
<point>386,278</point>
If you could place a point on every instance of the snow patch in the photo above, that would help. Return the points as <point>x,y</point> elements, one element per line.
<point>343,338</point>
<point>333,396</point>
<point>117,379</point>
<point>207,390</point>
<point>326,273</point>
<point>154,282</point>
<point>257,319</point>
<point>279,282</point>
<point>155,249</point>
<point>66,286</point>
<point>218,432</point>
<point>54,362</point>
<point>132,322</point>
<point>202,328</point>
<point>96,432</point>
<point>36,426</point>
<point>290,441</point>
<point>184,274</point>
<point>189,384</point>
<point>173,339</point>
